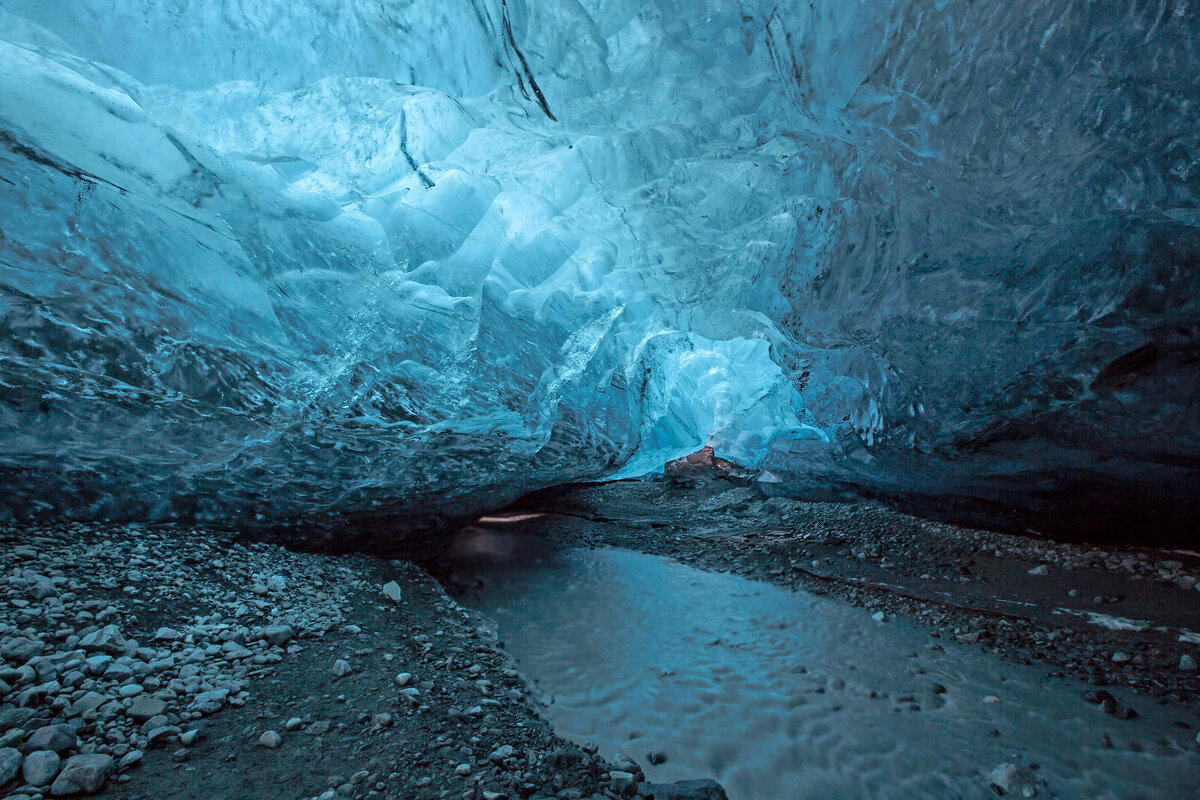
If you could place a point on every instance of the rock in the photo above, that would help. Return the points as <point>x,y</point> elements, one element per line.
<point>462,770</point>
<point>10,763</point>
<point>145,707</point>
<point>293,724</point>
<point>161,735</point>
<point>278,633</point>
<point>130,690</point>
<point>40,767</point>
<point>106,640</point>
<point>1119,657</point>
<point>1187,663</point>
<point>19,649</point>
<point>276,583</point>
<point>167,635</point>
<point>130,760</point>
<point>391,590</point>
<point>83,774</point>
<point>404,679</point>
<point>270,740</point>
<point>1041,569</point>
<point>622,783</point>
<point>188,738</point>
<point>501,753</point>
<point>879,616</point>
<point>58,738</point>
<point>342,668</point>
<point>89,702</point>
<point>211,701</point>
<point>11,718</point>
<point>1014,780</point>
<point>233,651</point>
<point>683,790</point>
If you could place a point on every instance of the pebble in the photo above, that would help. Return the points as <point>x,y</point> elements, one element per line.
<point>293,724</point>
<point>342,668</point>
<point>391,591</point>
<point>1187,663</point>
<point>270,740</point>
<point>404,679</point>
<point>463,770</point>
<point>1041,569</point>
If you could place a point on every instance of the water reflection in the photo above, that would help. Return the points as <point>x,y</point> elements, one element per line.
<point>785,695</point>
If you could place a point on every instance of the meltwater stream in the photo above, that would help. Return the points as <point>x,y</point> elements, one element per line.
<point>782,695</point>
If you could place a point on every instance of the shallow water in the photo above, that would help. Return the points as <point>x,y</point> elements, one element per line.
<point>784,695</point>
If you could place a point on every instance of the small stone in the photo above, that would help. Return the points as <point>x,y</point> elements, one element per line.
<point>879,616</point>
<point>234,651</point>
<point>130,690</point>
<point>391,590</point>
<point>1119,657</point>
<point>342,668</point>
<point>501,753</point>
<point>130,760</point>
<point>188,738</point>
<point>404,679</point>
<point>276,583</point>
<point>270,740</point>
<point>84,774</point>
<point>463,770</point>
<point>293,724</point>
<point>991,699</point>
<point>1041,569</point>
<point>40,767</point>
<point>278,633</point>
<point>167,635</point>
<point>1187,663</point>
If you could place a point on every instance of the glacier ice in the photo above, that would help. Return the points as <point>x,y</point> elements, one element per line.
<point>325,261</point>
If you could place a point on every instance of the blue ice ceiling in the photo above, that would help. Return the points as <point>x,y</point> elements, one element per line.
<point>276,260</point>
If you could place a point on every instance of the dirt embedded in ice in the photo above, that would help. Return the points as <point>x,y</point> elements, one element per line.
<point>782,694</point>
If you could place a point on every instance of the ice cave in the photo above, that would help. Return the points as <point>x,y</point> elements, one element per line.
<point>496,399</point>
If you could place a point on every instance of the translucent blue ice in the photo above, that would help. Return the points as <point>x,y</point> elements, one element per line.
<point>273,260</point>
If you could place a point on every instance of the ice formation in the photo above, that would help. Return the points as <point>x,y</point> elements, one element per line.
<point>291,261</point>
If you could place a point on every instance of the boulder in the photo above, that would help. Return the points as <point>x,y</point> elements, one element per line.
<point>83,774</point>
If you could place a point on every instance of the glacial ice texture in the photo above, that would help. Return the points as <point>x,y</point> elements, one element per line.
<point>317,260</point>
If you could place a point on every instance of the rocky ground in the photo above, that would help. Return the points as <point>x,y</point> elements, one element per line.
<point>160,661</point>
<point>1112,616</point>
<point>167,662</point>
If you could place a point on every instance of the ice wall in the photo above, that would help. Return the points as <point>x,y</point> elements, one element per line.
<point>324,260</point>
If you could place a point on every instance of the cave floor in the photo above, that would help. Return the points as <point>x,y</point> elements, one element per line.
<point>1110,615</point>
<point>240,639</point>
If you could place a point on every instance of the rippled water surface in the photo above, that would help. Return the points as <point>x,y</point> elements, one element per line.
<point>785,695</point>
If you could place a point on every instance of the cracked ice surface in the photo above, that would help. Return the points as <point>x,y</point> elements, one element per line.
<point>272,260</point>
